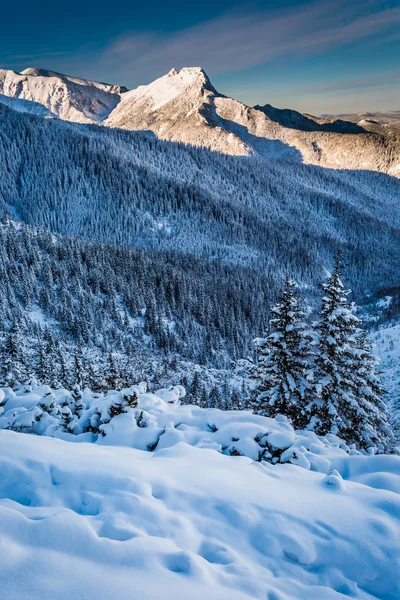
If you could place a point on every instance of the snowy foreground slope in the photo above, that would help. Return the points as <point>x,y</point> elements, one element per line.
<point>186,521</point>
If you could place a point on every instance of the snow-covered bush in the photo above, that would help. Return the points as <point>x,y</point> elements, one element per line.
<point>151,422</point>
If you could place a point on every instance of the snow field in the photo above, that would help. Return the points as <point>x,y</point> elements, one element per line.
<point>94,522</point>
<point>111,520</point>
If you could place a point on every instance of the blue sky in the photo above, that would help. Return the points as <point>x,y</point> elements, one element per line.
<point>326,56</point>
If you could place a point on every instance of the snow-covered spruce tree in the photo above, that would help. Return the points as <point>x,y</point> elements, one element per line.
<point>280,384</point>
<point>203,397</point>
<point>93,376</point>
<point>68,420</point>
<point>195,390</point>
<point>348,398</point>
<point>46,361</point>
<point>62,369</point>
<point>236,401</point>
<point>128,403</point>
<point>12,368</point>
<point>8,352</point>
<point>372,418</point>
<point>214,398</point>
<point>112,379</point>
<point>77,406</point>
<point>78,368</point>
<point>51,359</point>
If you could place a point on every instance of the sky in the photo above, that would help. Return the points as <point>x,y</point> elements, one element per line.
<point>319,57</point>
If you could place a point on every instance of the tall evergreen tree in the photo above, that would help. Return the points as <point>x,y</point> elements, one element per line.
<point>369,421</point>
<point>336,332</point>
<point>195,391</point>
<point>47,361</point>
<point>41,363</point>
<point>203,397</point>
<point>112,375</point>
<point>12,368</point>
<point>214,398</point>
<point>78,368</point>
<point>348,393</point>
<point>63,372</point>
<point>51,359</point>
<point>93,376</point>
<point>280,376</point>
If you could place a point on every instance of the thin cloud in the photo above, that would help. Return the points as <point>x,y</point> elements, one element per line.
<point>37,55</point>
<point>238,41</point>
<point>385,80</point>
<point>32,59</point>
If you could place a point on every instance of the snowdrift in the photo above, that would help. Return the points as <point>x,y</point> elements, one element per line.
<point>107,519</point>
<point>109,523</point>
<point>158,421</point>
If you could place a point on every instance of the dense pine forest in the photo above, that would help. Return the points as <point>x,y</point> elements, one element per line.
<point>130,189</point>
<point>124,257</point>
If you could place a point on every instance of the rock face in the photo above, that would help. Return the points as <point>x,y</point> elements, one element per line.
<point>183,106</point>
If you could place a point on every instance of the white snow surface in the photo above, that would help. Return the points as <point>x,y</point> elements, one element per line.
<point>166,88</point>
<point>51,94</point>
<point>160,421</point>
<point>183,106</point>
<point>101,521</point>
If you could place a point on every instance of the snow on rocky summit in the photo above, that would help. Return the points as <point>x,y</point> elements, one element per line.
<point>162,500</point>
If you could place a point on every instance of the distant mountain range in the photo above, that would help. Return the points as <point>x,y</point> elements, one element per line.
<point>184,106</point>
<point>389,118</point>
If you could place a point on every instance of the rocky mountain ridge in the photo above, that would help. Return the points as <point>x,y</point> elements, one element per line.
<point>183,106</point>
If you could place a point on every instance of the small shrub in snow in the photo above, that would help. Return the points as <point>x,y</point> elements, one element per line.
<point>157,421</point>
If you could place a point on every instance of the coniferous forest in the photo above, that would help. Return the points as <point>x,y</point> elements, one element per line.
<point>199,301</point>
<point>126,258</point>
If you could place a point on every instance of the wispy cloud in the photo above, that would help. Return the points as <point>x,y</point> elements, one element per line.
<point>33,58</point>
<point>37,55</point>
<point>241,40</point>
<point>378,80</point>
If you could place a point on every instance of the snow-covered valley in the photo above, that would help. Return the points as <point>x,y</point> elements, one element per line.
<point>175,236</point>
<point>114,520</point>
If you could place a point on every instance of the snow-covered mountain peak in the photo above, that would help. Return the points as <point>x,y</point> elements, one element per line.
<point>173,100</point>
<point>184,106</point>
<point>37,72</point>
<point>45,73</point>
<point>193,74</point>
<point>168,87</point>
<point>54,94</point>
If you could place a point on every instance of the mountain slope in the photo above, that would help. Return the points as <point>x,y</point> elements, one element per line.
<point>293,119</point>
<point>390,118</point>
<point>183,106</point>
<point>178,107</point>
<point>52,94</point>
<point>125,188</point>
<point>194,244</point>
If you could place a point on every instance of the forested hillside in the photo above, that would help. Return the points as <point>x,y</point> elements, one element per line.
<point>162,247</point>
<point>130,189</point>
<point>128,299</point>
